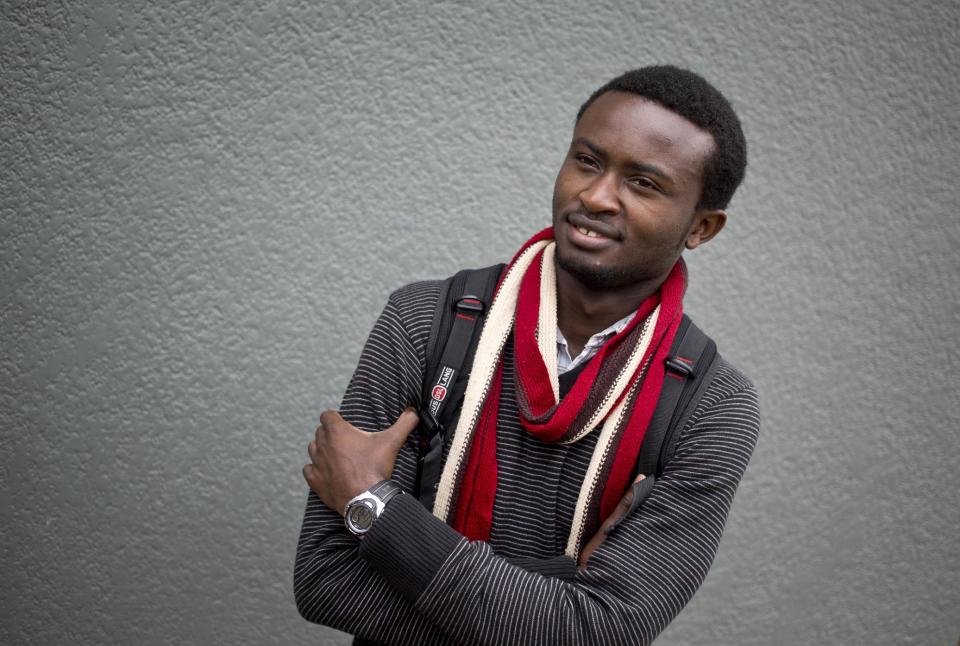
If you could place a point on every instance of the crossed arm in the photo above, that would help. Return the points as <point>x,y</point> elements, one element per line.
<point>415,580</point>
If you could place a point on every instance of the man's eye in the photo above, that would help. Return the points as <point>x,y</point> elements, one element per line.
<point>587,161</point>
<point>644,182</point>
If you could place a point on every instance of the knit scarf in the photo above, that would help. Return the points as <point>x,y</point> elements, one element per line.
<point>614,395</point>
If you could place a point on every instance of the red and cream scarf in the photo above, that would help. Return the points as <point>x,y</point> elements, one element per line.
<point>614,395</point>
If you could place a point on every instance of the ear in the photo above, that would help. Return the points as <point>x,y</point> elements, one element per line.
<point>706,224</point>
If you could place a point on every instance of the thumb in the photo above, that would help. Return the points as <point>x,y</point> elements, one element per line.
<point>630,494</point>
<point>404,425</point>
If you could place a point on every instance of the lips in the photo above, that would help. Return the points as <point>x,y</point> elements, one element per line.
<point>588,233</point>
<point>595,229</point>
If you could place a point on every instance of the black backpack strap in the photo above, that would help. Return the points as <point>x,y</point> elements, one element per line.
<point>454,334</point>
<point>691,364</point>
<point>704,368</point>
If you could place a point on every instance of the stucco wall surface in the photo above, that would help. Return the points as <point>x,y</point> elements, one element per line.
<point>204,205</point>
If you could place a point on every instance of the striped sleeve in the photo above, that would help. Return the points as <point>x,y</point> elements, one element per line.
<point>414,580</point>
<point>332,585</point>
<point>635,583</point>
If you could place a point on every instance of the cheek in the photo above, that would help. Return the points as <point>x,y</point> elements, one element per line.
<point>560,196</point>
<point>664,231</point>
<point>679,231</point>
<point>564,187</point>
<point>674,239</point>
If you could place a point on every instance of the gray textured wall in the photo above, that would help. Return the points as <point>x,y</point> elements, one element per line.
<point>204,206</point>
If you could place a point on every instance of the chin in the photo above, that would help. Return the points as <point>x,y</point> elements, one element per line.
<point>591,275</point>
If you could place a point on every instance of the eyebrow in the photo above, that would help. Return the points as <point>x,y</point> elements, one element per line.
<point>643,168</point>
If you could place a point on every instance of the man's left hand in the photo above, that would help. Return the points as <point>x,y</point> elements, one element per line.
<point>345,461</point>
<point>612,521</point>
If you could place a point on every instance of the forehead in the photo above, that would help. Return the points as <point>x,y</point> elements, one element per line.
<point>639,131</point>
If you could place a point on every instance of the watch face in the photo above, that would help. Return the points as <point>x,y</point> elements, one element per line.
<point>361,516</point>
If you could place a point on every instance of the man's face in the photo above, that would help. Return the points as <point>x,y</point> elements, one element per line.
<point>624,203</point>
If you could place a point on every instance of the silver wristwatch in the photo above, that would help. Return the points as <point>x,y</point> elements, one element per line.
<point>365,508</point>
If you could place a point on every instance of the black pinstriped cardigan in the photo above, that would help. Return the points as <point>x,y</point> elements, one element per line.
<point>414,580</point>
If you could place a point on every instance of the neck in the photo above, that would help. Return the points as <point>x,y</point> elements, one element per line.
<point>583,310</point>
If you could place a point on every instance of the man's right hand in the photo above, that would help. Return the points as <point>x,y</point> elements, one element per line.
<point>345,460</point>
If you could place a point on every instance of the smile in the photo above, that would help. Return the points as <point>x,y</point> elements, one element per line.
<point>589,234</point>
<point>588,238</point>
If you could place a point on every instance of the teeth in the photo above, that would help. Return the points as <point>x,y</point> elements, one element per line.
<point>589,234</point>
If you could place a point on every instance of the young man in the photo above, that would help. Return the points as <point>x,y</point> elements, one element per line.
<point>527,543</point>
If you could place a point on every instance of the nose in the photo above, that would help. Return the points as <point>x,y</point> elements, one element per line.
<point>601,195</point>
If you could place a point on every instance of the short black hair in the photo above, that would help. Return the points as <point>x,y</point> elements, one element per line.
<point>693,98</point>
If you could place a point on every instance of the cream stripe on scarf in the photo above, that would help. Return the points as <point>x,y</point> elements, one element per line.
<point>496,329</point>
<point>601,451</point>
<point>623,379</point>
<point>493,337</point>
<point>600,455</point>
<point>547,324</point>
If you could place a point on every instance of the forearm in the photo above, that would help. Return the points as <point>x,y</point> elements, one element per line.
<point>427,584</point>
<point>635,583</point>
<point>478,597</point>
<point>333,586</point>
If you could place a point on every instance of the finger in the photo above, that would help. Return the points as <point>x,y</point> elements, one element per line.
<point>613,521</point>
<point>622,508</point>
<point>307,472</point>
<point>329,419</point>
<point>312,451</point>
<point>401,429</point>
<point>627,501</point>
<point>628,497</point>
<point>588,549</point>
